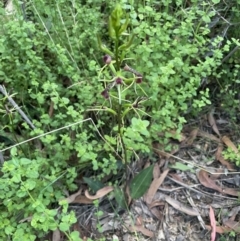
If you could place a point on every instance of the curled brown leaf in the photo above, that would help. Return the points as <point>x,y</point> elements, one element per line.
<point>208,136</point>
<point>100,193</point>
<point>219,229</point>
<point>157,213</point>
<point>192,137</point>
<point>220,158</point>
<point>213,224</point>
<point>82,199</point>
<point>229,144</point>
<point>205,179</point>
<point>72,197</point>
<point>212,122</point>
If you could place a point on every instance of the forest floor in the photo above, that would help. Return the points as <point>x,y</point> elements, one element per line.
<point>194,194</point>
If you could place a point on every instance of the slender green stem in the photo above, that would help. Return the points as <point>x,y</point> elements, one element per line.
<point>124,149</point>
<point>68,236</point>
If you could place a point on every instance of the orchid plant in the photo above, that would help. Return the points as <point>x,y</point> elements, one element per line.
<point>120,81</point>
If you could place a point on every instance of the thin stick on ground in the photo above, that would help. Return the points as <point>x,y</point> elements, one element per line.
<point>190,200</point>
<point>15,106</point>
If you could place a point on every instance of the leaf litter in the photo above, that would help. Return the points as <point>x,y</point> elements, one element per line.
<point>183,193</point>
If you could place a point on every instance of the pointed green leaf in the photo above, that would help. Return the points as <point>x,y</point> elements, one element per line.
<point>141,182</point>
<point>124,26</point>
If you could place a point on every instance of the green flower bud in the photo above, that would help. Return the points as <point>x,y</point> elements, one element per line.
<point>114,24</point>
<point>116,17</point>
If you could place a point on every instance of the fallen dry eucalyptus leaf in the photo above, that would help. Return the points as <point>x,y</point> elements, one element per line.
<point>181,207</point>
<point>157,213</point>
<point>148,197</point>
<point>220,158</point>
<point>235,226</point>
<point>213,223</point>
<point>139,221</point>
<point>82,199</point>
<point>192,137</point>
<point>219,229</point>
<point>100,193</point>
<point>212,122</point>
<point>229,144</point>
<point>206,181</point>
<point>208,136</point>
<point>72,197</point>
<point>214,173</point>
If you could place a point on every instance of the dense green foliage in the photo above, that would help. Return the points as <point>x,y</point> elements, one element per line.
<point>51,63</point>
